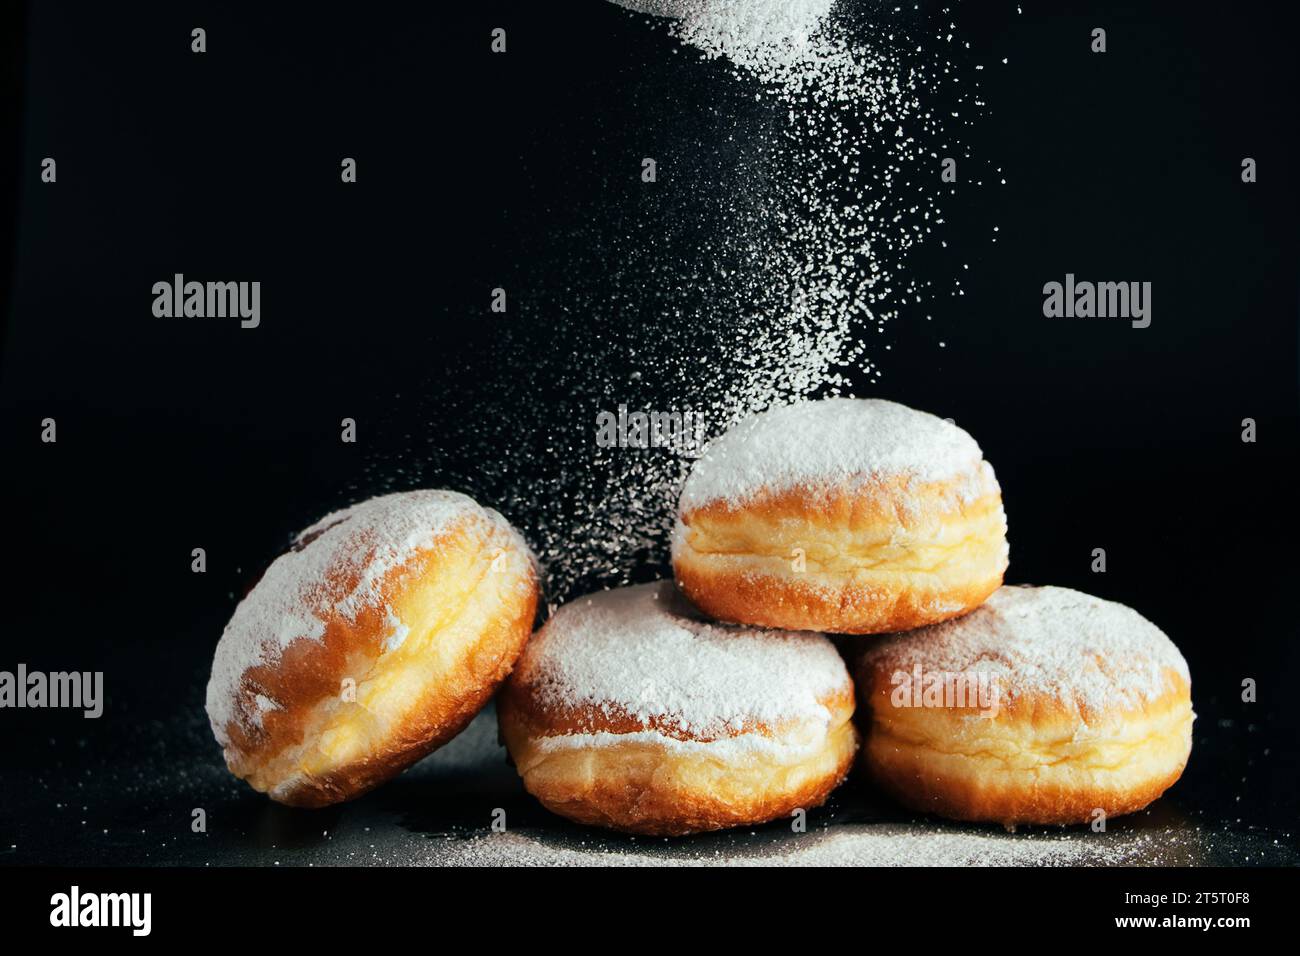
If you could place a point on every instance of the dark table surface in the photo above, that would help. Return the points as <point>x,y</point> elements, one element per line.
<point>124,792</point>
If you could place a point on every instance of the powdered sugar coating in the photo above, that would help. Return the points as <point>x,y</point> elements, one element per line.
<point>835,441</point>
<point>1046,642</point>
<point>363,543</point>
<point>643,652</point>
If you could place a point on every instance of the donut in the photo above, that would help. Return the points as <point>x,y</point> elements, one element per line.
<point>372,641</point>
<point>1045,705</point>
<point>851,516</point>
<point>631,712</point>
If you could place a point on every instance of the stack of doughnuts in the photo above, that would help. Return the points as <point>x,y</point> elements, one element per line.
<point>987,703</point>
<point>716,700</point>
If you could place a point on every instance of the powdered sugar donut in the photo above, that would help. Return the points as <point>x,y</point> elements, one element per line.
<point>629,711</point>
<point>375,639</point>
<point>854,516</point>
<point>1043,706</point>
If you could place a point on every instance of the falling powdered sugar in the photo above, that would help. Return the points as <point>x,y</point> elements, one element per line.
<point>798,145</point>
<point>641,652</point>
<point>767,37</point>
<point>847,188</point>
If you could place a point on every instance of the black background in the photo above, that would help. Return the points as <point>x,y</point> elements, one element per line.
<point>521,171</point>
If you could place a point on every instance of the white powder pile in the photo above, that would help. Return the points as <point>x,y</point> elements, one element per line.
<point>641,653</point>
<point>835,440</point>
<point>921,844</point>
<point>1049,642</point>
<point>336,566</point>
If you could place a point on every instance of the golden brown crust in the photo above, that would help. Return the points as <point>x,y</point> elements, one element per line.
<point>672,785</point>
<point>349,713</point>
<point>1036,760</point>
<point>886,555</point>
<point>446,709</point>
